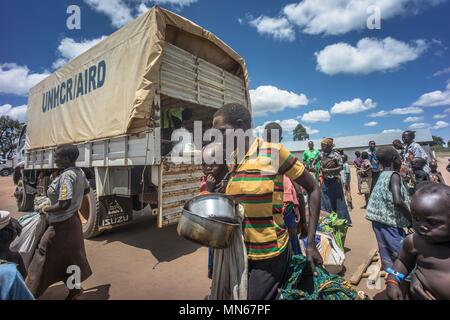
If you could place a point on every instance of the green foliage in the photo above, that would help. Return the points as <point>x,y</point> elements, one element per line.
<point>9,134</point>
<point>300,133</point>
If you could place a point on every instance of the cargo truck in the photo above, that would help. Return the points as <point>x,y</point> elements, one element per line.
<point>109,102</point>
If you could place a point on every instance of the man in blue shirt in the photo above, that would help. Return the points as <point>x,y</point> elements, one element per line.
<point>374,163</point>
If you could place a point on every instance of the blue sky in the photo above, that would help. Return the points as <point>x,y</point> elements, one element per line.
<point>313,62</point>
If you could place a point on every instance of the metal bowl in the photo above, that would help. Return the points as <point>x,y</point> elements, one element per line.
<point>215,206</point>
<point>205,231</point>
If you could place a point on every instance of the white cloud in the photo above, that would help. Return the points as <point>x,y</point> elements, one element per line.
<point>123,11</point>
<point>179,3</point>
<point>391,130</point>
<point>117,10</point>
<point>354,106</point>
<point>439,116</point>
<point>440,125</point>
<point>418,125</point>
<point>18,80</point>
<point>379,114</point>
<point>279,28</point>
<point>17,113</point>
<point>333,17</point>
<point>407,110</point>
<point>371,124</point>
<point>142,8</point>
<point>311,131</point>
<point>441,72</point>
<point>434,98</point>
<point>396,112</point>
<point>369,55</point>
<point>288,127</point>
<point>146,5</point>
<point>267,99</point>
<point>413,119</point>
<point>68,49</point>
<point>316,116</point>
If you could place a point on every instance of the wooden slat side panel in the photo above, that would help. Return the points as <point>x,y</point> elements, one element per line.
<point>180,183</point>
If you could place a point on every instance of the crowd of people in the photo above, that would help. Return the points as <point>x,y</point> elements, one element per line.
<point>392,179</point>
<point>407,203</point>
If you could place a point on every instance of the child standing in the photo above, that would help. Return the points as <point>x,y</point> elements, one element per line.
<point>388,207</point>
<point>291,213</point>
<point>427,250</point>
<point>345,177</point>
<point>365,176</point>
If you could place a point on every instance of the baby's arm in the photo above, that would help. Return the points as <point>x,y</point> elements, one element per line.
<point>403,265</point>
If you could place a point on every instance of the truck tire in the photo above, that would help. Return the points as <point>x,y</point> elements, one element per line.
<point>90,214</point>
<point>25,201</point>
<point>4,172</point>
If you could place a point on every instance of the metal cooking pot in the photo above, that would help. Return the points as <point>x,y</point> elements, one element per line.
<point>215,206</point>
<point>206,231</point>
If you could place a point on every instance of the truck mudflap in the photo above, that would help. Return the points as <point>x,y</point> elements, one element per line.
<point>118,211</point>
<point>179,183</point>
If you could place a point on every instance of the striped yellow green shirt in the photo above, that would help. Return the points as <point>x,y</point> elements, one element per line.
<point>258,186</point>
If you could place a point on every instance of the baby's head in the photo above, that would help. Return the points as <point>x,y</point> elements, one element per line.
<point>418,163</point>
<point>364,155</point>
<point>213,159</point>
<point>389,157</point>
<point>433,165</point>
<point>430,210</point>
<point>397,144</point>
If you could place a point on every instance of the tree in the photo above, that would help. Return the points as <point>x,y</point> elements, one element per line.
<point>300,133</point>
<point>438,141</point>
<point>9,135</point>
<point>448,144</point>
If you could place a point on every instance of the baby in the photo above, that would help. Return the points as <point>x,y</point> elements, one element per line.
<point>435,175</point>
<point>214,169</point>
<point>428,249</point>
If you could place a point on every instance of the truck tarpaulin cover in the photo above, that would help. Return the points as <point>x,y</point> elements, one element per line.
<point>109,90</point>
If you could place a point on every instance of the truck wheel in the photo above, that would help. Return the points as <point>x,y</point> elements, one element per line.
<point>90,213</point>
<point>4,172</point>
<point>25,201</point>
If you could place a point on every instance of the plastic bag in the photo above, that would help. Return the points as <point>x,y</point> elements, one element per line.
<point>333,256</point>
<point>26,243</point>
<point>338,227</point>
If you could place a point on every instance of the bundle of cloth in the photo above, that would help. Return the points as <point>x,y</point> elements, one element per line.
<point>33,226</point>
<point>303,285</point>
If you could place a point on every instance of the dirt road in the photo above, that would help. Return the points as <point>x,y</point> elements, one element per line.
<point>142,262</point>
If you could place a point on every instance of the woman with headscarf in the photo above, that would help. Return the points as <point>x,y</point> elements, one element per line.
<point>332,193</point>
<point>62,244</point>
